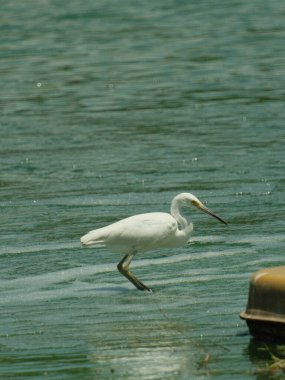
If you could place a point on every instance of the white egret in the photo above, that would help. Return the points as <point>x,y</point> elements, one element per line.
<point>143,232</point>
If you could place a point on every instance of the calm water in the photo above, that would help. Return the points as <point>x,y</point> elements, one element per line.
<point>110,108</point>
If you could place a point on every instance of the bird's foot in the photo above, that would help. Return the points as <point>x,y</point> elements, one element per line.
<point>145,288</point>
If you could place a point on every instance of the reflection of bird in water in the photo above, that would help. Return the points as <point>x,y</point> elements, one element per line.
<point>143,232</point>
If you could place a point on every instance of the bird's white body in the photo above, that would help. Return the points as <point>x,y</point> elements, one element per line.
<point>140,233</point>
<point>144,232</point>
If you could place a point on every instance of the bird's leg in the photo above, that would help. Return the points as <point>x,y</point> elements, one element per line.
<point>123,268</point>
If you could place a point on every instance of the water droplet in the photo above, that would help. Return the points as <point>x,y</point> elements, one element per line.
<point>39,84</point>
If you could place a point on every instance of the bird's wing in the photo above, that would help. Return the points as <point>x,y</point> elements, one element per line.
<point>141,232</point>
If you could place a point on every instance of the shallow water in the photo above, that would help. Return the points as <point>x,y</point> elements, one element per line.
<point>109,109</point>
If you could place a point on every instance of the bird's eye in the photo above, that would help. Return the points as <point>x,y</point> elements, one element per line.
<point>195,203</point>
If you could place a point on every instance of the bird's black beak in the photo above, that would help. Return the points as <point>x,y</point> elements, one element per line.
<point>207,211</point>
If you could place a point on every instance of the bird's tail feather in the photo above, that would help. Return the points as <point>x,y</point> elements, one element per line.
<point>92,238</point>
<point>88,239</point>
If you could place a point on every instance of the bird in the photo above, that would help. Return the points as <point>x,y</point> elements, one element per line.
<point>148,231</point>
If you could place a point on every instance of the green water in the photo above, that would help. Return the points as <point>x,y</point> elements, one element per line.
<point>109,109</point>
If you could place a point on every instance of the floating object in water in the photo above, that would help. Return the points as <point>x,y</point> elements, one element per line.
<point>265,311</point>
<point>143,232</point>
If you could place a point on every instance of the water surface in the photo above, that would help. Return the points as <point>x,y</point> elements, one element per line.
<point>110,109</point>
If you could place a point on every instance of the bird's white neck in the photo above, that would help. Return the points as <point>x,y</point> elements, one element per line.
<point>175,211</point>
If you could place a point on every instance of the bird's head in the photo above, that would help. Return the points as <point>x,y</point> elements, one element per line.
<point>189,199</point>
